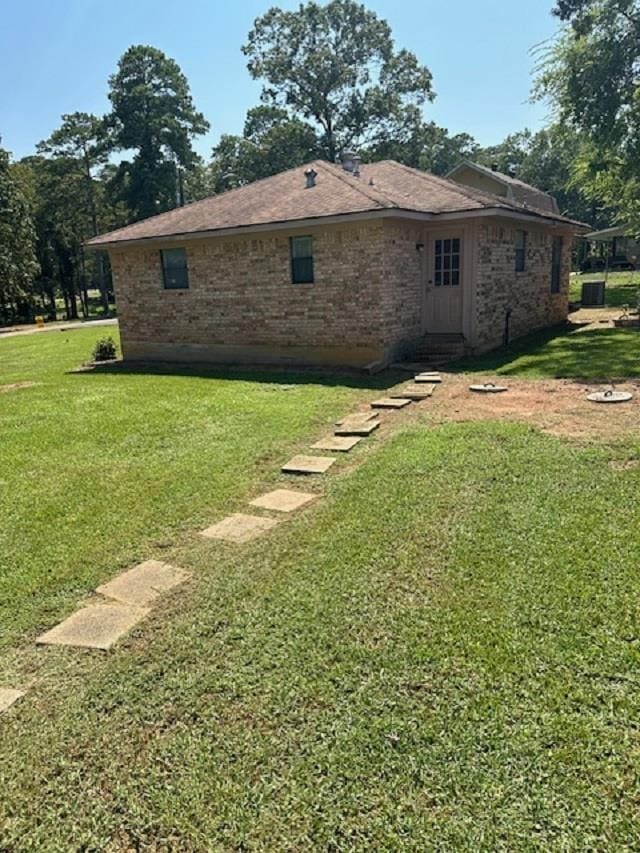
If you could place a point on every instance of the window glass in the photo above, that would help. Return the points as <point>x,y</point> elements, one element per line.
<point>301,250</point>
<point>521,250</point>
<point>174,269</point>
<point>447,263</point>
<point>556,264</point>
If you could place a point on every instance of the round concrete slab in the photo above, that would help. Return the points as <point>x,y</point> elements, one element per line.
<point>488,388</point>
<point>610,397</point>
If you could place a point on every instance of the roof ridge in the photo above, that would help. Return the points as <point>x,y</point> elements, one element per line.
<point>339,173</point>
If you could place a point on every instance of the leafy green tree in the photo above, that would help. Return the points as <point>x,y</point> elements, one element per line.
<point>424,145</point>
<point>335,66</point>
<point>62,225</point>
<point>590,74</point>
<point>153,115</point>
<point>81,139</point>
<point>18,263</point>
<point>272,141</point>
<point>549,161</point>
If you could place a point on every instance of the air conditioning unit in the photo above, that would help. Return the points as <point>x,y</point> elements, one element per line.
<point>593,294</point>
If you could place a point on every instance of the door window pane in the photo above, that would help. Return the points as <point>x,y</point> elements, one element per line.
<point>447,262</point>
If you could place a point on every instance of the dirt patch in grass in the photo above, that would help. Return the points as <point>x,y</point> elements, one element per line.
<point>557,406</point>
<point>16,386</point>
<point>624,464</point>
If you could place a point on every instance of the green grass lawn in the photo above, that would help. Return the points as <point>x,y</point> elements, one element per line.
<point>565,352</point>
<point>622,288</point>
<point>443,653</point>
<point>97,470</point>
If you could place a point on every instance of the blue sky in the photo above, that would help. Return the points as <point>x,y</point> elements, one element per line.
<point>55,57</point>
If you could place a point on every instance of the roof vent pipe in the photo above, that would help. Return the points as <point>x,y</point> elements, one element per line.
<point>310,177</point>
<point>351,163</point>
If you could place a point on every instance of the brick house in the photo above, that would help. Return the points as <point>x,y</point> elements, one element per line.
<point>338,264</point>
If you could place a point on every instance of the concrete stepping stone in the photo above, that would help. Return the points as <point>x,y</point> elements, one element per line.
<point>144,583</point>
<point>358,428</point>
<point>488,388</point>
<point>434,378</point>
<point>340,443</point>
<point>284,500</point>
<point>9,697</point>
<point>308,465</point>
<point>357,417</point>
<point>97,626</point>
<point>610,397</point>
<point>390,403</point>
<point>414,392</point>
<point>239,528</point>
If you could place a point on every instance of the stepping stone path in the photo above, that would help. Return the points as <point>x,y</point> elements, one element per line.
<point>97,626</point>
<point>144,583</point>
<point>100,626</point>
<point>239,528</point>
<point>357,428</point>
<point>610,397</point>
<point>488,388</point>
<point>414,392</point>
<point>390,403</point>
<point>284,500</point>
<point>433,378</point>
<point>357,417</point>
<point>341,443</point>
<point>9,697</point>
<point>308,465</point>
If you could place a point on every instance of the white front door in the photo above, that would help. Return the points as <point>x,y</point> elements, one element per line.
<point>443,309</point>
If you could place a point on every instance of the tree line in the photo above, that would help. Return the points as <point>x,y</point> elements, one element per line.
<point>333,79</point>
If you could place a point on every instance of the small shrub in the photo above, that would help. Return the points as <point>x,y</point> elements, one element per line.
<point>105,349</point>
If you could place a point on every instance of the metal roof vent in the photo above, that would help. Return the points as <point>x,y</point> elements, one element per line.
<point>310,177</point>
<point>351,162</point>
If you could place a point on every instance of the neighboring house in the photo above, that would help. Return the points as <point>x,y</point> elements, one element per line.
<point>344,265</point>
<point>492,181</point>
<point>621,249</point>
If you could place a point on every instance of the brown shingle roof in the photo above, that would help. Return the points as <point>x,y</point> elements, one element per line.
<point>382,186</point>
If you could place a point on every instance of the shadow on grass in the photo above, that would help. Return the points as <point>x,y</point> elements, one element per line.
<point>277,375</point>
<point>564,353</point>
